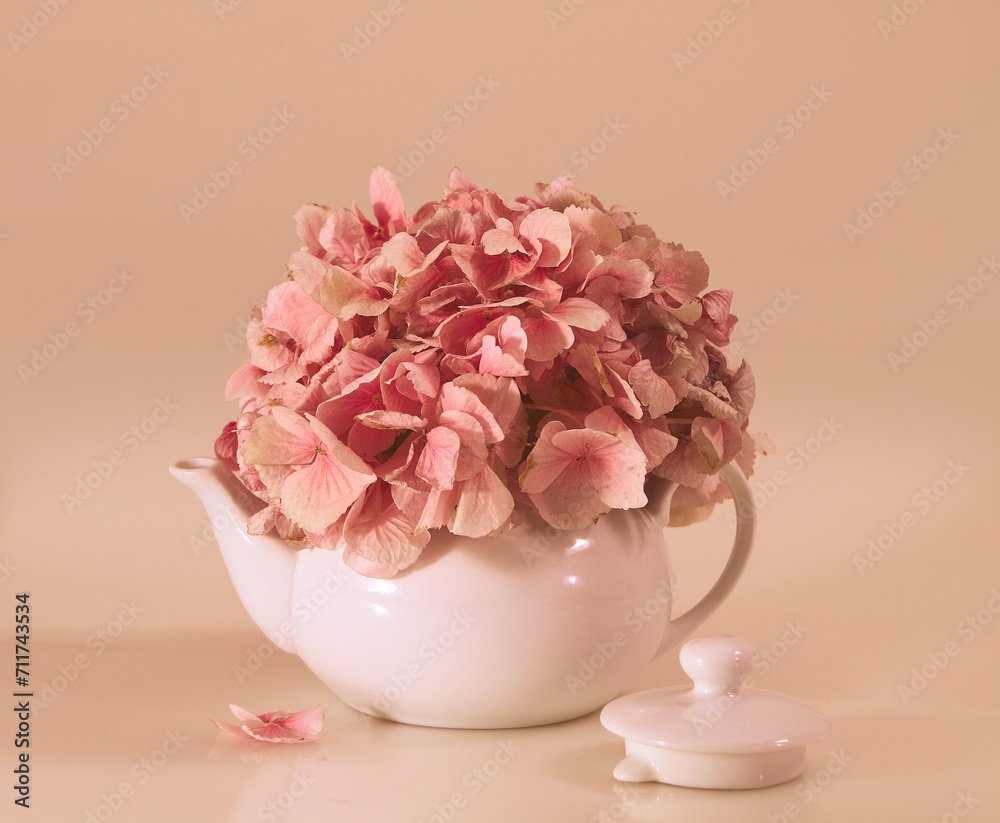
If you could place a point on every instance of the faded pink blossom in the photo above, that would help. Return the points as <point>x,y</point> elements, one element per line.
<point>307,470</point>
<point>378,538</point>
<point>574,476</point>
<point>276,727</point>
<point>658,393</point>
<point>426,371</point>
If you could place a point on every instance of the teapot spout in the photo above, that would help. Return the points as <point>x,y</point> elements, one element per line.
<point>262,567</point>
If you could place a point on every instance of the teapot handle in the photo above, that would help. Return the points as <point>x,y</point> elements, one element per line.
<point>746,524</point>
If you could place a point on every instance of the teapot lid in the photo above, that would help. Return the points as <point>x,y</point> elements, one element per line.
<point>763,734</point>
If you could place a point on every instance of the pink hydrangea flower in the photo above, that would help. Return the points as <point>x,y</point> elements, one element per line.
<point>436,370</point>
<point>574,476</point>
<point>308,472</point>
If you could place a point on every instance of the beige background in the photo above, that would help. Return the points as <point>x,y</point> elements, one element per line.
<point>266,107</point>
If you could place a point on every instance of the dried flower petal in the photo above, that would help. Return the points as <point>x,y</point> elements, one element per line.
<point>276,727</point>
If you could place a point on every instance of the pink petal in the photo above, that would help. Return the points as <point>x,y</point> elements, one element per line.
<point>368,443</point>
<point>262,521</point>
<point>339,413</point>
<point>549,232</point>
<point>309,219</point>
<point>580,313</point>
<point>402,251</point>
<point>743,389</point>
<point>572,502</point>
<point>320,340</point>
<point>585,359</point>
<point>455,398</point>
<point>305,723</point>
<point>276,727</point>
<point>634,277</point>
<point>623,397</point>
<point>494,360</point>
<point>547,338</point>
<point>484,505</point>
<point>382,419</point>
<point>417,275</point>
<point>683,274</point>
<point>684,465</point>
<point>370,568</point>
<point>472,452</point>
<point>343,295</point>
<point>418,381</point>
<point>306,270</point>
<point>341,236</point>
<point>594,222</point>
<point>228,727</point>
<point>291,310</point>
<point>655,443</point>
<point>447,224</point>
<point>575,475</point>
<point>605,419</point>
<point>274,734</point>
<point>717,303</point>
<point>227,446</point>
<point>379,538</point>
<point>439,458</point>
<point>485,271</point>
<point>457,331</point>
<point>501,239</point>
<point>658,394</point>
<point>433,509</point>
<point>280,438</point>
<point>245,382</point>
<point>387,204</point>
<point>718,441</point>
<point>268,351</point>
<point>246,717</point>
<point>545,462</point>
<point>503,398</point>
<point>316,496</point>
<point>354,368</point>
<point>459,182</point>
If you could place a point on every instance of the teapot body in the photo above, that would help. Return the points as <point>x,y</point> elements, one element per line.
<point>533,626</point>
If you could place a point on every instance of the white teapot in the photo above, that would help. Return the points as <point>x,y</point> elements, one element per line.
<point>531,627</point>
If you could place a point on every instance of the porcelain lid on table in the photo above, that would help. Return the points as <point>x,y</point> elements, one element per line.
<point>717,714</point>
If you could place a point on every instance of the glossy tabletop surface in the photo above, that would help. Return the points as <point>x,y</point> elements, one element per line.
<point>131,736</point>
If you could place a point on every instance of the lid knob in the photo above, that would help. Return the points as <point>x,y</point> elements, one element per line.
<point>719,664</point>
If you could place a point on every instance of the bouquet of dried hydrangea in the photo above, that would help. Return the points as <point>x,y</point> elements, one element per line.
<point>443,369</point>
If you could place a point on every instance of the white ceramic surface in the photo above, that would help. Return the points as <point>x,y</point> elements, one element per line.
<point>534,626</point>
<point>718,733</point>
